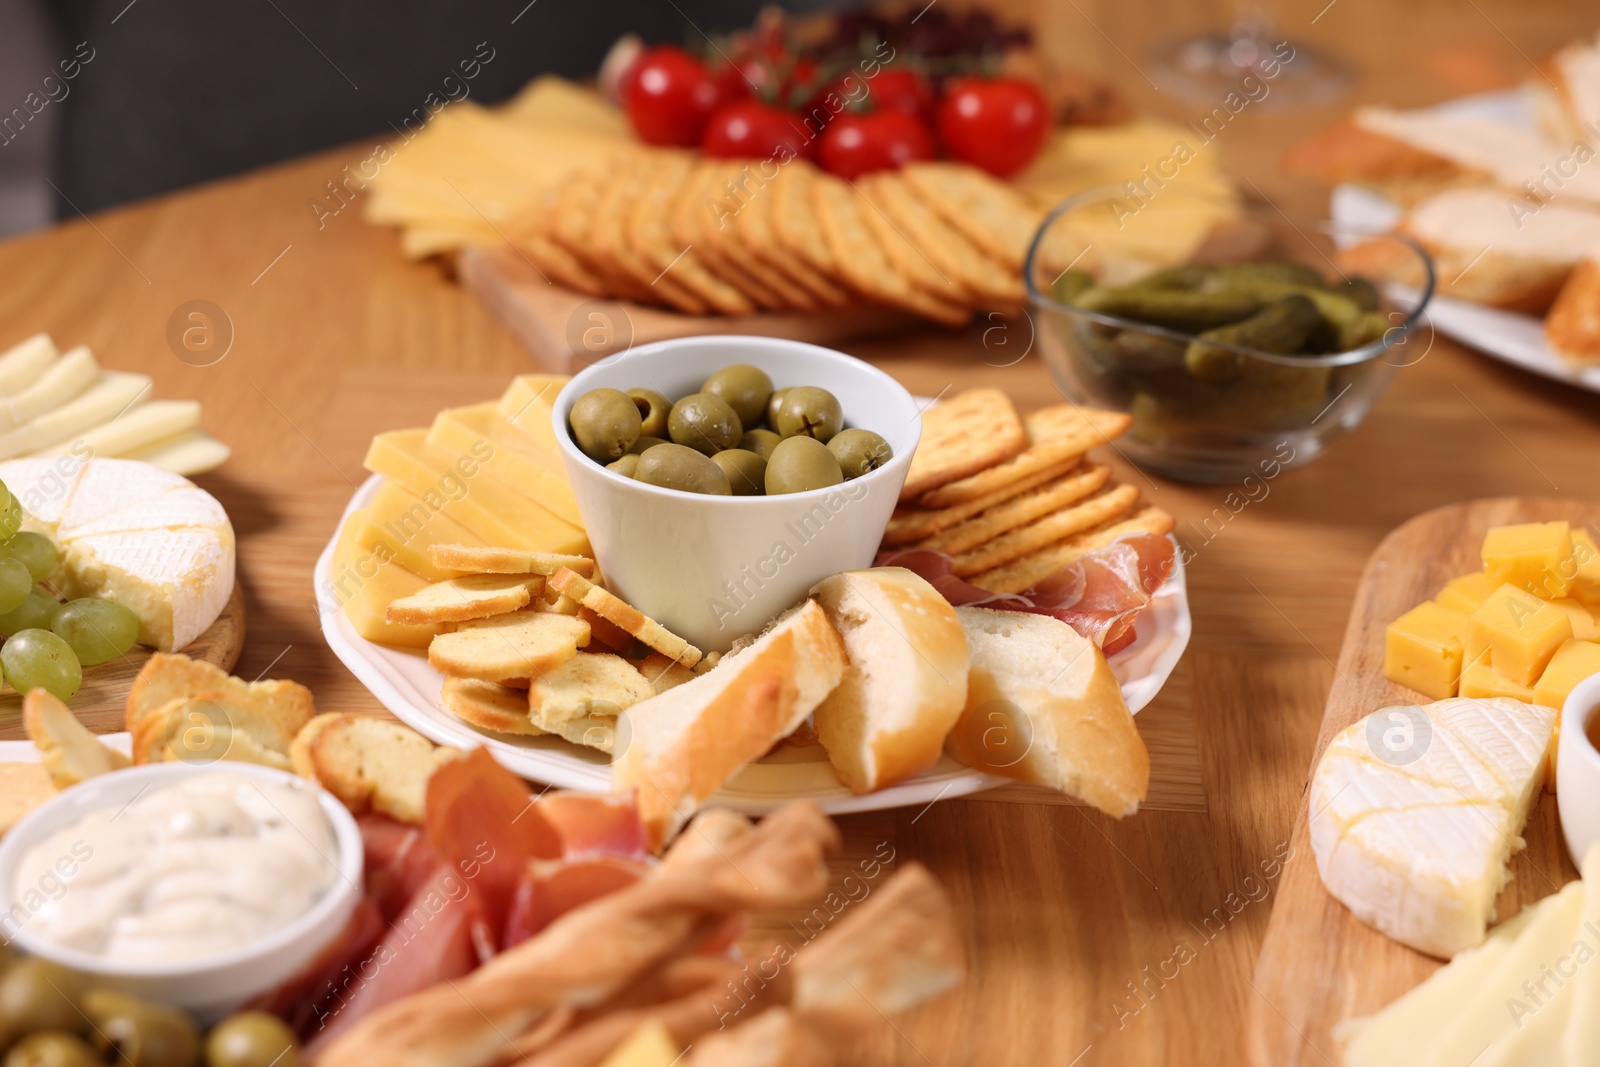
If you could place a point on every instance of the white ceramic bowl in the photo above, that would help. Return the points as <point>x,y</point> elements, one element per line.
<point>712,568</point>
<point>1578,770</point>
<point>210,986</point>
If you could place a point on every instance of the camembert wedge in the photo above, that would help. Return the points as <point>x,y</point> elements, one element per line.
<point>1415,811</point>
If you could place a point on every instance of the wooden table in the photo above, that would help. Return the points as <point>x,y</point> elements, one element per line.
<point>1092,941</point>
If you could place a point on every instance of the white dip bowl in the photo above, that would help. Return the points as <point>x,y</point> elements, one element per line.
<point>1578,770</point>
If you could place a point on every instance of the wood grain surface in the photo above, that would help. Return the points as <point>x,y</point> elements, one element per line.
<point>1092,941</point>
<point>1320,963</point>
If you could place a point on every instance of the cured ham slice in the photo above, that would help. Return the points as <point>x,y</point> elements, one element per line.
<point>593,825</point>
<point>551,888</point>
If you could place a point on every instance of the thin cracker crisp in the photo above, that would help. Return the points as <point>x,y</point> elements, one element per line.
<point>650,230</point>
<point>488,706</point>
<point>472,596</point>
<point>992,214</point>
<point>960,436</point>
<point>794,220</point>
<point>732,190</point>
<point>1056,433</point>
<point>1027,571</point>
<point>570,219</point>
<point>908,258</point>
<point>614,609</point>
<point>609,239</point>
<point>1019,511</point>
<point>505,647</point>
<point>910,523</point>
<point>530,237</point>
<point>1102,507</point>
<point>754,224</point>
<point>471,559</point>
<point>693,211</point>
<point>985,277</point>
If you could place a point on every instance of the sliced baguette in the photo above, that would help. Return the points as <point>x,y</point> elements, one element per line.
<point>377,765</point>
<point>279,708</point>
<point>1043,706</point>
<point>472,596</point>
<point>488,705</point>
<point>506,647</point>
<point>677,749</point>
<point>906,681</point>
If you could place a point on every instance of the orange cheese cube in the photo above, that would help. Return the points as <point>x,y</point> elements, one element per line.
<point>1533,556</point>
<point>1422,649</point>
<point>1465,593</point>
<point>1585,627</point>
<point>1519,631</point>
<point>1586,560</point>
<point>1572,663</point>
<point>1481,681</point>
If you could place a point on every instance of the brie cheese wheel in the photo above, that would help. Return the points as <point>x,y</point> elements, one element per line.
<point>1415,810</point>
<point>131,532</point>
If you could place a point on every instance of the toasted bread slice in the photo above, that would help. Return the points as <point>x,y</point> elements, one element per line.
<point>518,645</point>
<point>300,747</point>
<point>470,560</point>
<point>685,743</point>
<point>472,596</point>
<point>488,706</point>
<point>615,610</point>
<point>68,752</point>
<point>1043,706</point>
<point>664,672</point>
<point>211,725</point>
<point>277,709</point>
<point>906,682</point>
<point>375,765</point>
<point>589,685</point>
<point>1573,325</point>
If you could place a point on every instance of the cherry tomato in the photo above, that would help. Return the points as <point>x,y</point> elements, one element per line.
<point>822,101</point>
<point>997,124</point>
<point>670,95</point>
<point>902,90</point>
<point>856,144</point>
<point>753,130</point>
<point>751,73</point>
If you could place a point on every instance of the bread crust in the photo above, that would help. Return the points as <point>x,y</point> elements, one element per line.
<point>1510,283</point>
<point>1573,325</point>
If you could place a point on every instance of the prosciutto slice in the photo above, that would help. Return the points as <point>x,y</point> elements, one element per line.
<point>1101,595</point>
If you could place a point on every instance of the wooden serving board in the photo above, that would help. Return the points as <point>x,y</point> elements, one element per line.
<point>102,700</point>
<point>1320,964</point>
<point>567,331</point>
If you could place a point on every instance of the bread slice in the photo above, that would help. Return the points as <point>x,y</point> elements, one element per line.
<point>906,681</point>
<point>68,751</point>
<point>211,725</point>
<point>589,685</point>
<point>488,706</point>
<point>1043,706</point>
<point>624,615</point>
<point>377,765</point>
<point>518,645</point>
<point>472,596</point>
<point>1573,325</point>
<point>677,749</point>
<point>471,560</point>
<point>279,709</point>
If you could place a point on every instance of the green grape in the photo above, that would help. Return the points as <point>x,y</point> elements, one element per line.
<point>10,518</point>
<point>15,585</point>
<point>35,551</point>
<point>34,613</point>
<point>38,659</point>
<point>96,630</point>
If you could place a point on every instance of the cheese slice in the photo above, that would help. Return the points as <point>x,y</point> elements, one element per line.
<point>529,404</point>
<point>21,364</point>
<point>403,527</point>
<point>1413,837</point>
<point>111,395</point>
<point>144,537</point>
<point>362,586</point>
<point>1581,1042</point>
<point>143,425</point>
<point>61,381</point>
<point>188,453</point>
<point>516,461</point>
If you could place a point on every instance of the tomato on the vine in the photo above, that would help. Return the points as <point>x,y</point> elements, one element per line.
<point>753,130</point>
<point>750,72</point>
<point>670,96</point>
<point>901,90</point>
<point>856,144</point>
<point>998,124</point>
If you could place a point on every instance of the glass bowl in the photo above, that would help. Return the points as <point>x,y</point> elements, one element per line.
<point>1252,411</point>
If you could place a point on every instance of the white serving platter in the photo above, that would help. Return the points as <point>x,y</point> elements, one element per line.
<point>404,683</point>
<point>1504,335</point>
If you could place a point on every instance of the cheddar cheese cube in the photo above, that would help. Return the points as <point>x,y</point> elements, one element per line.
<point>1465,593</point>
<point>1586,561</point>
<point>1423,648</point>
<point>1481,681</point>
<point>1572,663</point>
<point>1536,557</point>
<point>1585,626</point>
<point>1519,631</point>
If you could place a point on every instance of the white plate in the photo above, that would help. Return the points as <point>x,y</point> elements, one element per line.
<point>1505,335</point>
<point>28,752</point>
<point>404,683</point>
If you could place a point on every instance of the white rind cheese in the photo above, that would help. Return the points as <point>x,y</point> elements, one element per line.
<point>1418,848</point>
<point>134,533</point>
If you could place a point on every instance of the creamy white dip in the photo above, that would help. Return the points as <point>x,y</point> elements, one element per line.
<point>185,870</point>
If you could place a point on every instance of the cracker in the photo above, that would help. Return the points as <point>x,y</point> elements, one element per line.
<point>209,725</point>
<point>473,560</point>
<point>625,615</point>
<point>794,220</point>
<point>862,261</point>
<point>518,645</point>
<point>985,277</point>
<point>588,685</point>
<point>991,214</point>
<point>605,631</point>
<point>911,523</point>
<point>530,236</point>
<point>561,605</point>
<point>569,221</point>
<point>697,211</point>
<point>1028,571</point>
<point>756,229</point>
<point>910,259</point>
<point>23,787</point>
<point>472,596</point>
<point>731,190</point>
<point>1056,434</point>
<point>488,706</point>
<point>609,243</point>
<point>373,764</point>
<point>963,435</point>
<point>1019,511</point>
<point>650,229</point>
<point>1102,507</point>
<point>275,710</point>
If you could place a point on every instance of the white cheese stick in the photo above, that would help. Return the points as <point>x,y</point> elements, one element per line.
<point>113,394</point>
<point>194,452</point>
<point>141,426</point>
<point>21,365</point>
<point>63,380</point>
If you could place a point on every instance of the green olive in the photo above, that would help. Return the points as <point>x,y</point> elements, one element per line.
<point>799,464</point>
<point>746,471</point>
<point>645,442</point>
<point>705,423</point>
<point>605,423</point>
<point>52,1049</point>
<point>761,442</point>
<point>807,411</point>
<point>773,404</point>
<point>252,1039</point>
<point>38,995</point>
<point>626,465</point>
<point>745,388</point>
<point>136,1033</point>
<point>859,452</point>
<point>682,468</point>
<point>653,408</point>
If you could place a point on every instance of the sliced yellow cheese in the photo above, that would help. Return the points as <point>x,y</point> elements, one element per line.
<point>21,364</point>
<point>1519,630</point>
<point>529,404</point>
<point>1585,627</point>
<point>362,585</point>
<point>405,527</point>
<point>1582,1038</point>
<point>1533,556</point>
<point>61,381</point>
<point>141,426</point>
<point>1465,593</point>
<point>1572,663</point>
<point>109,397</point>
<point>516,461</point>
<point>468,494</point>
<point>1422,649</point>
<point>1586,560</point>
<point>190,452</point>
<point>1480,681</point>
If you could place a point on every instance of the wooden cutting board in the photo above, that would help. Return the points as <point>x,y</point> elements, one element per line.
<point>567,331</point>
<point>103,698</point>
<point>1320,964</point>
